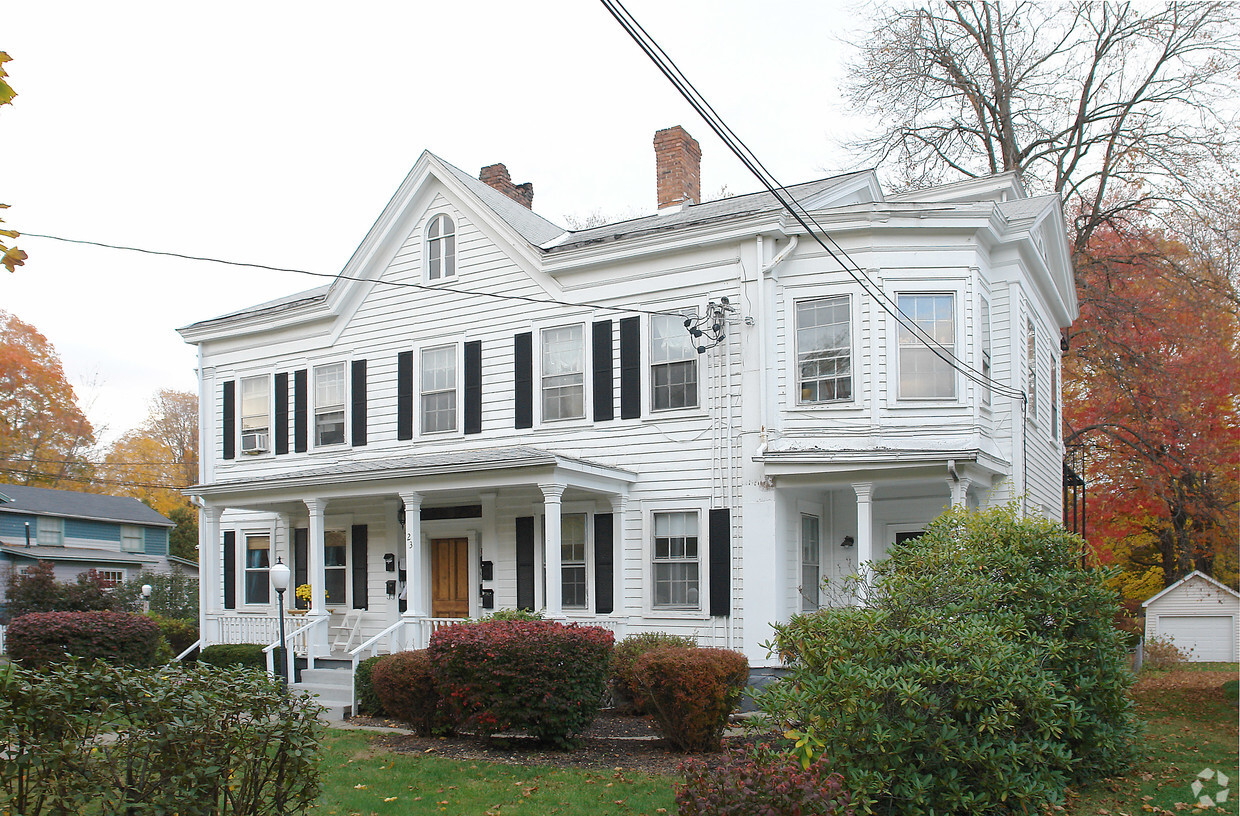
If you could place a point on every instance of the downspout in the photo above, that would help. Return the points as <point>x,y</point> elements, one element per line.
<point>763,269</point>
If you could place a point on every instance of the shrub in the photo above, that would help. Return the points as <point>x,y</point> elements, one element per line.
<point>225,655</point>
<point>406,685</point>
<point>984,674</point>
<point>368,701</point>
<point>759,785</point>
<point>173,595</point>
<point>184,740</point>
<point>1161,652</point>
<point>623,694</point>
<point>179,634</point>
<point>37,590</point>
<point>544,678</point>
<point>513,615</point>
<point>691,692</point>
<point>40,639</point>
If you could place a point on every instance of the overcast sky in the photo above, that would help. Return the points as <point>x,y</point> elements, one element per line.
<point>275,133</point>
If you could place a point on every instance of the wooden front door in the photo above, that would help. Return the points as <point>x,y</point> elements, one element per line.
<point>450,578</point>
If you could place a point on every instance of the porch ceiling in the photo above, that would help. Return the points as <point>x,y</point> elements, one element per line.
<point>455,471</point>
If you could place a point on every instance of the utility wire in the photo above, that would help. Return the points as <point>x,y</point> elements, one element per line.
<point>89,480</point>
<point>716,123</point>
<point>342,276</point>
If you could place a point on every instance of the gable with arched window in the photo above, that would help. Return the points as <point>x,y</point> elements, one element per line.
<point>440,248</point>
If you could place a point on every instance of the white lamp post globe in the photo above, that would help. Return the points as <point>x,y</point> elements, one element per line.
<point>146,590</point>
<point>280,575</point>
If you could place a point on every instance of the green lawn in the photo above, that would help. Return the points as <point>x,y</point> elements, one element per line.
<point>1190,725</point>
<point>359,778</point>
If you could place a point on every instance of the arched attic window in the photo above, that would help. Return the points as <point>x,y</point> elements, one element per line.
<point>440,248</point>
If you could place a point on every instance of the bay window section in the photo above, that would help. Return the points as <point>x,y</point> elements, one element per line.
<point>563,373</point>
<point>676,566</point>
<point>439,389</point>
<point>573,561</point>
<point>923,373</point>
<point>329,399</point>
<point>257,568</point>
<point>255,414</point>
<point>824,350</point>
<point>673,364</point>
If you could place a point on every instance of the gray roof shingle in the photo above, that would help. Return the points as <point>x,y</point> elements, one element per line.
<point>44,501</point>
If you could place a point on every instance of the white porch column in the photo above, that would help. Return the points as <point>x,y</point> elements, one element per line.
<point>210,567</point>
<point>620,603</point>
<point>415,583</point>
<point>317,574</point>
<point>552,495</point>
<point>865,530</point>
<point>959,488</point>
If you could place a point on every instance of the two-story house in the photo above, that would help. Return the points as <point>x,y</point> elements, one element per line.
<point>117,536</point>
<point>683,422</point>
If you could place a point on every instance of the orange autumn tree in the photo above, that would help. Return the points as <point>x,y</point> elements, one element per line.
<point>44,436</point>
<point>1150,389</point>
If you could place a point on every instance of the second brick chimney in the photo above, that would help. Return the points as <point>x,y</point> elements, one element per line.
<point>678,167</point>
<point>496,176</point>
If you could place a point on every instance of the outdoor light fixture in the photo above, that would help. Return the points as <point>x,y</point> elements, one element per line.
<point>279,582</point>
<point>847,542</point>
<point>146,599</point>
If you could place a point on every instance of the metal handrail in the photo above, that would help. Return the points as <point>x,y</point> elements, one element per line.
<point>356,655</point>
<point>196,644</point>
<point>270,648</point>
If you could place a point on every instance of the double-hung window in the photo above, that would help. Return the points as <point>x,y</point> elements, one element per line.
<point>131,539</point>
<point>1031,361</point>
<point>984,319</point>
<point>257,569</point>
<point>439,389</point>
<point>677,570</point>
<point>329,399</point>
<point>811,563</point>
<point>50,532</point>
<point>440,248</point>
<point>255,414</point>
<point>673,364</point>
<point>563,373</point>
<point>335,566</point>
<point>925,373</point>
<point>573,560</point>
<point>824,350</point>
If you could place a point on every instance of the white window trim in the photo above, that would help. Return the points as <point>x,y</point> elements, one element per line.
<point>648,364</point>
<point>243,535</point>
<point>1032,343</point>
<point>648,511</point>
<point>268,448</point>
<point>587,382</point>
<point>588,510</point>
<point>55,529</point>
<point>896,288</point>
<point>794,368</point>
<point>458,343</point>
<point>803,598</point>
<point>456,249</point>
<point>340,524</point>
<point>313,398</point>
<point>985,351</point>
<point>141,538</point>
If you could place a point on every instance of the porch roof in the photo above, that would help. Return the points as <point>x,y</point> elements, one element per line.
<point>839,456</point>
<point>523,464</point>
<point>77,554</point>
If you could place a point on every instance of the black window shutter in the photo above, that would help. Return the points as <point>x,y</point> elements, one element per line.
<point>404,395</point>
<point>525,563</point>
<point>720,561</point>
<point>360,599</point>
<point>230,569</point>
<point>523,380</point>
<point>604,399</point>
<point>282,412</point>
<point>230,419</point>
<point>630,368</point>
<point>359,403</point>
<point>301,563</point>
<point>473,387</point>
<point>301,402</point>
<point>604,564</point>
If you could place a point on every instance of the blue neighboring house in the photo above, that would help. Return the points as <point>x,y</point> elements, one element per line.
<point>77,532</point>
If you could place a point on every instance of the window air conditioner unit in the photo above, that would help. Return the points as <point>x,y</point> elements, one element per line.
<point>253,441</point>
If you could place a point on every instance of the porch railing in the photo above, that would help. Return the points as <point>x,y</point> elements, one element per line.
<point>296,641</point>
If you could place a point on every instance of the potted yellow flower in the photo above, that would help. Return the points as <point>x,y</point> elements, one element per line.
<point>304,594</point>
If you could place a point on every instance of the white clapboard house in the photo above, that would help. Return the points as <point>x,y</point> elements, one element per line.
<point>487,411</point>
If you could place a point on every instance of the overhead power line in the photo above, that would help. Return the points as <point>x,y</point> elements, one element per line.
<point>672,72</point>
<point>89,480</point>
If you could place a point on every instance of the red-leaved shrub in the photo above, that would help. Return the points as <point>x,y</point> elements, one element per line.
<point>625,696</point>
<point>747,785</point>
<point>406,687</point>
<point>121,638</point>
<point>539,677</point>
<point>691,692</point>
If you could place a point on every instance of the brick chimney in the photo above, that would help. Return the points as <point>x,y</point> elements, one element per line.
<point>678,167</point>
<point>496,176</point>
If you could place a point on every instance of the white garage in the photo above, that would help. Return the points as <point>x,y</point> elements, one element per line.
<point>1197,613</point>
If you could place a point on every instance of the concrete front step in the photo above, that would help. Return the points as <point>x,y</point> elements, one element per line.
<point>332,688</point>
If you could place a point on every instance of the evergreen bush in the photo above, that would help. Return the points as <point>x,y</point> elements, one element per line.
<point>40,639</point>
<point>540,677</point>
<point>624,696</point>
<point>179,634</point>
<point>983,675</point>
<point>691,692</point>
<point>231,655</point>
